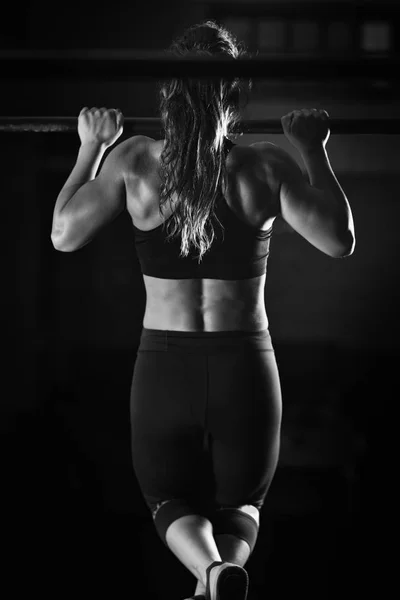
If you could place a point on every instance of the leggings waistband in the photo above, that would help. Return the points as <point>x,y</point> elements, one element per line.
<point>164,340</point>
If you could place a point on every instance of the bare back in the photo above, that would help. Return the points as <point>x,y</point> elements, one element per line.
<point>252,193</point>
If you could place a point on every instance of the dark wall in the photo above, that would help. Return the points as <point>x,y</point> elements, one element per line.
<point>82,24</point>
<point>351,302</point>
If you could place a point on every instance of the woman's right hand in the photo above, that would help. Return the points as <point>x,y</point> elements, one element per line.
<point>306,129</point>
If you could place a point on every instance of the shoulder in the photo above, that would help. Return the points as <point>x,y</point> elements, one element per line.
<point>264,153</point>
<point>278,161</point>
<point>274,153</point>
<point>132,147</point>
<point>265,149</point>
<point>132,156</point>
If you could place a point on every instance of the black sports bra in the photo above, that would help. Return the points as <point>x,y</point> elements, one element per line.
<point>239,251</point>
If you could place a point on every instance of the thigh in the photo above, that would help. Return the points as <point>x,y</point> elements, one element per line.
<point>245,417</point>
<point>165,435</point>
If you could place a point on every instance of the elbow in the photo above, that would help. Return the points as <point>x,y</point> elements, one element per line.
<point>61,237</point>
<point>346,247</point>
<point>57,238</point>
<point>60,244</point>
<point>65,244</point>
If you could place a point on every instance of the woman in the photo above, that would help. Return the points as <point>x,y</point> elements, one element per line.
<point>206,400</point>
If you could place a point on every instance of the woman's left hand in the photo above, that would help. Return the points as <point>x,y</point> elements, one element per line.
<point>100,125</point>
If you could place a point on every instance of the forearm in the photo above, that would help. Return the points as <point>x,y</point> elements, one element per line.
<point>322,177</point>
<point>85,169</point>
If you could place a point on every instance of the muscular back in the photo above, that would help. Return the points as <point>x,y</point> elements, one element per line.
<point>205,304</point>
<point>263,181</point>
<point>252,189</point>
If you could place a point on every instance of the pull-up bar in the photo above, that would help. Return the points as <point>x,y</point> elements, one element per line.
<point>150,125</point>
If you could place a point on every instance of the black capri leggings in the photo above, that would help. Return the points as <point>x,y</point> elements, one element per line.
<point>205,417</point>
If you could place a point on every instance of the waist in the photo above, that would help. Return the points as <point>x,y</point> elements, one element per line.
<point>223,316</point>
<point>205,305</point>
<point>159,340</point>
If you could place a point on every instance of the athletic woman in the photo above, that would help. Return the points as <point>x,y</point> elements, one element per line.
<point>205,398</point>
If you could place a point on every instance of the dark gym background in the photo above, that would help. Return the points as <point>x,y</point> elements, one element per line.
<point>74,520</point>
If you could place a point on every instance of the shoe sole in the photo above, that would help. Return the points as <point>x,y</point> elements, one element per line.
<point>232,584</point>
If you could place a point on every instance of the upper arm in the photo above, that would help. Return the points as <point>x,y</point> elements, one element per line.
<point>94,205</point>
<point>310,211</point>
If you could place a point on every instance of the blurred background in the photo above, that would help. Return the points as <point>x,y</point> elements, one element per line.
<point>74,518</point>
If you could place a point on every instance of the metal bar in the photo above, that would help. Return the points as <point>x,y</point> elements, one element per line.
<point>147,125</point>
<point>128,65</point>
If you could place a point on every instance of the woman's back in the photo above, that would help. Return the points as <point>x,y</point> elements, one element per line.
<point>205,303</point>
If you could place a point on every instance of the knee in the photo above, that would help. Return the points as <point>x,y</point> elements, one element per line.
<point>242,522</point>
<point>251,510</point>
<point>167,512</point>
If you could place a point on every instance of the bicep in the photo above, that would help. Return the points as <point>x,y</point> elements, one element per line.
<point>307,209</point>
<point>94,205</point>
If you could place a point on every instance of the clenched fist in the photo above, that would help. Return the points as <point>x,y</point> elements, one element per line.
<point>307,129</point>
<point>100,125</point>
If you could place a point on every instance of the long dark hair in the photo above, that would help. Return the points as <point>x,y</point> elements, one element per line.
<point>197,115</point>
